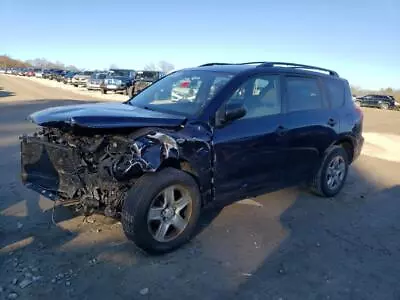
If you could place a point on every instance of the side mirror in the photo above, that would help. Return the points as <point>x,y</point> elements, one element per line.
<point>234,111</point>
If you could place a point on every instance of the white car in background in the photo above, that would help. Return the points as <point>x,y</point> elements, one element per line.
<point>38,73</point>
<point>81,79</point>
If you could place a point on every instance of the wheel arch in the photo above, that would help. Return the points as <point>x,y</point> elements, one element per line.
<point>189,168</point>
<point>348,145</point>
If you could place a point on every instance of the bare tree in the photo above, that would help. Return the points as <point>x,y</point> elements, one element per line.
<point>165,66</point>
<point>71,68</point>
<point>150,67</point>
<point>162,66</point>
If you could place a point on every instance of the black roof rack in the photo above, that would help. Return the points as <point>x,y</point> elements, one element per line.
<point>215,64</point>
<point>279,64</point>
<point>298,66</point>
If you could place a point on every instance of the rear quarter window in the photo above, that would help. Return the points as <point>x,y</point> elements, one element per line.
<point>303,94</point>
<point>336,92</point>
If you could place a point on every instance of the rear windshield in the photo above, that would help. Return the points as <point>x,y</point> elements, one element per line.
<point>99,76</point>
<point>146,75</point>
<point>124,73</point>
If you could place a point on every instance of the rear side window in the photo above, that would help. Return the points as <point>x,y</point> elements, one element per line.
<point>335,89</point>
<point>303,94</point>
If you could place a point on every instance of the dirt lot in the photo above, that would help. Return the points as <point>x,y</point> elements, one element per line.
<point>284,245</point>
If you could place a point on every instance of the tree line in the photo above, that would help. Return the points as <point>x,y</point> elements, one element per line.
<point>42,63</point>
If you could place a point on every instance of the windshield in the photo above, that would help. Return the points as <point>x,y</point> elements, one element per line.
<point>184,92</point>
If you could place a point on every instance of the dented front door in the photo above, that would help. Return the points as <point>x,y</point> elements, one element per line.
<point>249,158</point>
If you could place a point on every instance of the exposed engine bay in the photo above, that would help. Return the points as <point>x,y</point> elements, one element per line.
<point>95,170</point>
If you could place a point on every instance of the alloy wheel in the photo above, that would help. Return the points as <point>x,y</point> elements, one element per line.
<point>335,172</point>
<point>169,213</point>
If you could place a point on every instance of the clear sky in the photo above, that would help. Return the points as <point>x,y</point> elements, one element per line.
<point>360,39</point>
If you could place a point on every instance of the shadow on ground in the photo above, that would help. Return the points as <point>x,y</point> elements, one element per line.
<point>5,93</point>
<point>283,245</point>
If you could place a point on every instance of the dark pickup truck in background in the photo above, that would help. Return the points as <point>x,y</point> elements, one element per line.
<point>118,80</point>
<point>143,79</point>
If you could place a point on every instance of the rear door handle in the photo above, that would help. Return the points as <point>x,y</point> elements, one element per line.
<point>331,122</point>
<point>281,131</point>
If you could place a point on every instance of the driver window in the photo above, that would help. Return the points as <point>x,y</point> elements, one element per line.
<point>259,95</point>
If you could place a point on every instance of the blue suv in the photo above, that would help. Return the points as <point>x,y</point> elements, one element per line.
<point>216,133</point>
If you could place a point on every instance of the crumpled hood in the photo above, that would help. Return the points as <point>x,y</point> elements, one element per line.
<point>104,115</point>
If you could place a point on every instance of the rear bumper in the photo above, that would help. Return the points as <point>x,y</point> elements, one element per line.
<point>93,86</point>
<point>110,87</point>
<point>358,147</point>
<point>51,170</point>
<point>79,83</point>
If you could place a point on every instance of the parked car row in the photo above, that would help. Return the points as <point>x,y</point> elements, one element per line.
<point>125,81</point>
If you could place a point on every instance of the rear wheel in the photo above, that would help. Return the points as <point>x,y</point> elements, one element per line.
<point>384,106</point>
<point>332,173</point>
<point>161,211</point>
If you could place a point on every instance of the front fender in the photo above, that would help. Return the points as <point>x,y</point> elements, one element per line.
<point>189,149</point>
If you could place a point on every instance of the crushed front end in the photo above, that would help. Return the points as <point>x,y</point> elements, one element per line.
<point>93,170</point>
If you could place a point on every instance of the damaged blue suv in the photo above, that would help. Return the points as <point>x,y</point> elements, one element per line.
<point>216,133</point>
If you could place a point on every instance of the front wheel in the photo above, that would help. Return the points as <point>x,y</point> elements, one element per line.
<point>332,173</point>
<point>161,211</point>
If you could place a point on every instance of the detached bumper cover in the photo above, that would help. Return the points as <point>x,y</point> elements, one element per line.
<point>49,169</point>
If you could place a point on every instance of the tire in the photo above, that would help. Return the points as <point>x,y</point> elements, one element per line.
<point>319,184</point>
<point>384,106</point>
<point>103,91</point>
<point>75,85</point>
<point>131,91</point>
<point>143,195</point>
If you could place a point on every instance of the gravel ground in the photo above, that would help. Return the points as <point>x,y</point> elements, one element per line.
<point>283,245</point>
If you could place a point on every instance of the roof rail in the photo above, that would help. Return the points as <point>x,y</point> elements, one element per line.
<point>278,64</point>
<point>214,64</point>
<point>298,66</point>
